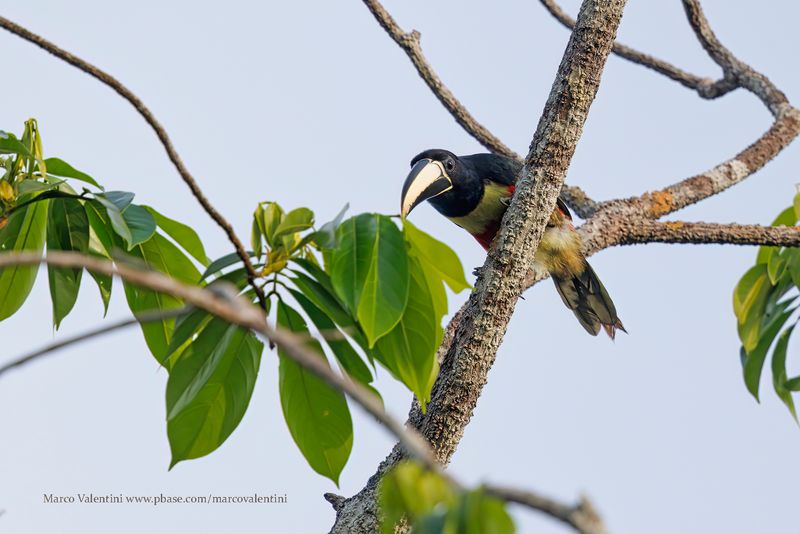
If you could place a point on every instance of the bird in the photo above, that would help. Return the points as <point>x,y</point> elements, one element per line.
<point>475,191</point>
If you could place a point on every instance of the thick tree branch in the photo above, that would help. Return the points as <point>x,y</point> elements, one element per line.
<point>225,303</point>
<point>148,116</point>
<point>736,74</point>
<point>484,320</point>
<point>701,233</point>
<point>746,163</point>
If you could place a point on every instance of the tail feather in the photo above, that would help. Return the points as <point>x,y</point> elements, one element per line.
<point>585,295</point>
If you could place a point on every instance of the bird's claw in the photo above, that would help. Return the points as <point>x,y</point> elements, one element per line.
<point>477,271</point>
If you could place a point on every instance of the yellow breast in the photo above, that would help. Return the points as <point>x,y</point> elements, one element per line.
<point>489,211</point>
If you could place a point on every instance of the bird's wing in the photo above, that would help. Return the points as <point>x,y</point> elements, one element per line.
<point>503,170</point>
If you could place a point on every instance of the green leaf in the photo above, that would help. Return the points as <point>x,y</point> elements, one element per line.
<point>317,273</point>
<point>159,254</point>
<point>9,144</point>
<point>793,384</point>
<point>439,299</point>
<point>787,217</point>
<point>25,230</point>
<point>754,359</point>
<point>410,491</point>
<point>323,299</point>
<point>183,235</point>
<point>386,287</point>
<point>478,513</point>
<point>219,264</point>
<point>114,215</point>
<point>409,350</point>
<point>100,231</point>
<point>209,389</point>
<point>325,237</point>
<point>345,354</point>
<point>370,272</point>
<point>101,244</point>
<point>295,221</point>
<point>749,300</point>
<point>256,238</point>
<point>131,222</point>
<point>59,167</point>
<point>435,256</point>
<point>271,217</point>
<point>775,267</point>
<point>779,371</point>
<point>186,326</point>
<point>28,188</point>
<point>317,414</point>
<point>796,206</point>
<point>67,229</point>
<point>104,285</point>
<point>141,224</point>
<point>120,199</point>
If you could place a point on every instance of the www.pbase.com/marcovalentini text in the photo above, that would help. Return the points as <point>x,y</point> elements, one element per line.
<point>120,498</point>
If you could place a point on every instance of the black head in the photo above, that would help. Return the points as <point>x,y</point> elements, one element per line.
<point>450,184</point>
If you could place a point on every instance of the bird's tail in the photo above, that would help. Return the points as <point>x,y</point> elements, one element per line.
<point>585,295</point>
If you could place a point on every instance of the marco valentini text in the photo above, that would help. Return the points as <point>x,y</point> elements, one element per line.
<point>155,500</point>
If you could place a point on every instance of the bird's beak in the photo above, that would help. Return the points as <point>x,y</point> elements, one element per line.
<point>426,180</point>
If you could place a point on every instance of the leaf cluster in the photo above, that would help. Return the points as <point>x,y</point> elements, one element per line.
<point>364,291</point>
<point>431,505</point>
<point>765,301</point>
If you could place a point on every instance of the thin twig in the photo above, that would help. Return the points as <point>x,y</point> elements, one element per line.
<point>410,43</point>
<point>236,310</point>
<point>239,311</point>
<point>97,332</point>
<point>734,68</point>
<point>705,87</point>
<point>148,116</point>
<point>583,517</point>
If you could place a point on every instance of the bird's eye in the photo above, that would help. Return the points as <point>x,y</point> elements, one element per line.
<point>450,165</point>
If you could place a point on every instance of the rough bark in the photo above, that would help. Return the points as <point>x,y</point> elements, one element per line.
<point>483,322</point>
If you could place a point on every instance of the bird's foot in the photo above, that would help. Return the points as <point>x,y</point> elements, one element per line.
<point>477,271</point>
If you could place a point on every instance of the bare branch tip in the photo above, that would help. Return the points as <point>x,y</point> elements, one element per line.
<point>337,501</point>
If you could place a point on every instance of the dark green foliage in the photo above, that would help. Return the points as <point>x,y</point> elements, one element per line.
<point>373,291</point>
<point>432,506</point>
<point>764,302</point>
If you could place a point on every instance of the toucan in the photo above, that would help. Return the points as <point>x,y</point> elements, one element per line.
<point>474,192</point>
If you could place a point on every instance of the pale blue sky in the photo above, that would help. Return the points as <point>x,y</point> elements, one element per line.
<point>312,104</point>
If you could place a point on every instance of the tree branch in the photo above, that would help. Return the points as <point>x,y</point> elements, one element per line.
<point>97,332</point>
<point>484,320</point>
<point>225,303</point>
<point>700,233</point>
<point>734,69</point>
<point>705,87</point>
<point>410,43</point>
<point>736,74</point>
<point>148,116</point>
<point>583,517</point>
<point>746,163</point>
